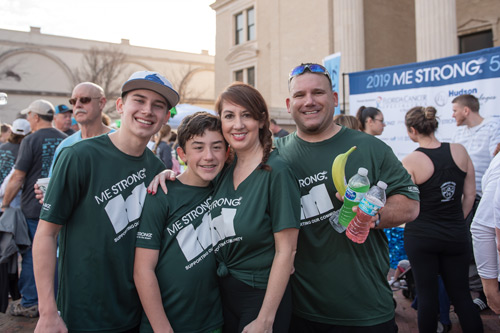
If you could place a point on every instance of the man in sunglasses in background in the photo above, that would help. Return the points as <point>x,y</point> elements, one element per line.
<point>339,285</point>
<point>88,101</point>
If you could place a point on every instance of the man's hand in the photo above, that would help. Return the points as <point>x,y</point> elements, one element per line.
<point>160,179</point>
<point>355,210</point>
<point>38,194</point>
<point>50,323</point>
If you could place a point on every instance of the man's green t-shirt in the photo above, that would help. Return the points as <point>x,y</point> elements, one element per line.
<point>97,193</point>
<point>337,281</point>
<point>245,219</point>
<point>178,225</point>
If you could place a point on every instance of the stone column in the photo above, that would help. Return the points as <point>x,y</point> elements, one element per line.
<point>349,40</point>
<point>436,29</point>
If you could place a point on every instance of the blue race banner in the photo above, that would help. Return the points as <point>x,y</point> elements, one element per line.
<point>395,90</point>
<point>332,64</point>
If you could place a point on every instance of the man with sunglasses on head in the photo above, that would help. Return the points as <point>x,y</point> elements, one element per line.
<point>339,285</point>
<point>94,202</point>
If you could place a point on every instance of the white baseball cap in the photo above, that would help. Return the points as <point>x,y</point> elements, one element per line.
<point>40,106</point>
<point>21,127</point>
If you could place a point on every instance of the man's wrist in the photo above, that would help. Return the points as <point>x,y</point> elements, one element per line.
<point>5,206</point>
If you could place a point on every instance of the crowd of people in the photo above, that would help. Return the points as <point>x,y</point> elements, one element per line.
<point>242,239</point>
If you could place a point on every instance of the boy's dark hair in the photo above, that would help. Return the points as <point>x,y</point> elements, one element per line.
<point>197,124</point>
<point>469,101</point>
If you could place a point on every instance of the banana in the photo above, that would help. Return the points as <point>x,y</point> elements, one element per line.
<point>338,170</point>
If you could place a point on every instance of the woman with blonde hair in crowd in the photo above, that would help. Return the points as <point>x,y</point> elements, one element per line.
<point>437,242</point>
<point>371,120</point>
<point>255,215</point>
<point>347,121</point>
<point>162,148</point>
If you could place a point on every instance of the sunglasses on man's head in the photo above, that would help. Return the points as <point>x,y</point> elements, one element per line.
<point>313,68</point>
<point>83,100</point>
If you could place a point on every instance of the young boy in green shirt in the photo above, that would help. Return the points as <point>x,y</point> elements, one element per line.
<point>175,269</point>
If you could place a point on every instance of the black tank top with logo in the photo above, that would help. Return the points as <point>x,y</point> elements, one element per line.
<point>441,214</point>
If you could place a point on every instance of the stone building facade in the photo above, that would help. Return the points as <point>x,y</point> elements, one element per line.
<point>35,65</point>
<point>259,41</point>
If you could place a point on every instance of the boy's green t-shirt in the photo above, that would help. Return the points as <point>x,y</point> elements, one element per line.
<point>178,225</point>
<point>97,193</point>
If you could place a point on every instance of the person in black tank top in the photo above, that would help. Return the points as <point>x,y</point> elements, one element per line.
<point>437,242</point>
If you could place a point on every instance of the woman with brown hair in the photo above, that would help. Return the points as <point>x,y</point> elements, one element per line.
<point>371,120</point>
<point>437,242</point>
<point>255,215</point>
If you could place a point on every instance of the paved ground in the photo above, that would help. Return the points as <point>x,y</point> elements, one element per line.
<point>406,318</point>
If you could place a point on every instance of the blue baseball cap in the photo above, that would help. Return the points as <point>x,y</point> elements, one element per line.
<point>61,108</point>
<point>152,81</point>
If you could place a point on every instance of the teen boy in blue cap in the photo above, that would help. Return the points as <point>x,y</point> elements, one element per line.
<point>93,203</point>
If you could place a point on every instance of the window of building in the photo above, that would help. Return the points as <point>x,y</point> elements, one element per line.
<point>251,76</point>
<point>246,75</point>
<point>238,75</point>
<point>244,26</point>
<point>238,23</point>
<point>251,24</point>
<point>476,41</point>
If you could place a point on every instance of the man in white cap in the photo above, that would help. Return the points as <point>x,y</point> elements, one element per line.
<point>93,203</point>
<point>33,162</point>
<point>10,149</point>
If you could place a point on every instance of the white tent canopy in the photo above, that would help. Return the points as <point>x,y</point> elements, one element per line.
<point>184,110</point>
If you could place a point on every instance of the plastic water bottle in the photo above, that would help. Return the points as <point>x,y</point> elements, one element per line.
<point>358,185</point>
<point>359,227</point>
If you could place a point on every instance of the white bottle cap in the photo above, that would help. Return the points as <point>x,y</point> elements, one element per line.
<point>363,172</point>
<point>382,185</point>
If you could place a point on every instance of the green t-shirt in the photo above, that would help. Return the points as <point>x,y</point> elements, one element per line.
<point>178,225</point>
<point>97,192</point>
<point>337,281</point>
<point>244,220</point>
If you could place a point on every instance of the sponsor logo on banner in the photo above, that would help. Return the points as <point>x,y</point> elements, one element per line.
<point>395,90</point>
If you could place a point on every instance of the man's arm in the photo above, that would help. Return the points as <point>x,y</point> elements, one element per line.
<point>398,209</point>
<point>44,266</point>
<point>14,185</point>
<point>469,191</point>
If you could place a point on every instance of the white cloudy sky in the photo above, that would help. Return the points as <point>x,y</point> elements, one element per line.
<point>183,25</point>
